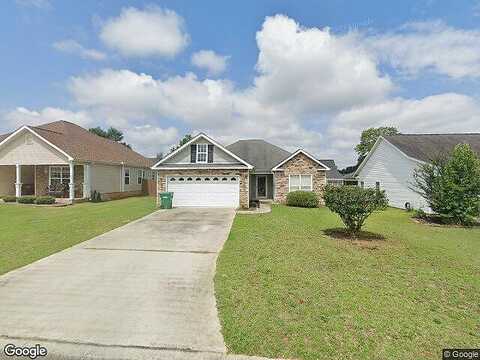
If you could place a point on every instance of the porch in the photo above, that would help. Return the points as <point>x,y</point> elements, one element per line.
<point>62,181</point>
<point>261,186</point>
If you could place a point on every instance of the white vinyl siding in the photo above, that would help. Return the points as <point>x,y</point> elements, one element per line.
<point>394,173</point>
<point>300,182</point>
<point>219,156</point>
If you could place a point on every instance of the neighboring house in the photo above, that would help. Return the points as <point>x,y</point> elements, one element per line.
<point>38,160</point>
<point>392,160</point>
<point>204,173</point>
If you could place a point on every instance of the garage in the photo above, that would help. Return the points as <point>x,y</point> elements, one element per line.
<point>204,191</point>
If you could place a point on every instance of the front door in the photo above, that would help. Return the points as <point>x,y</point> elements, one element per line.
<point>261,186</point>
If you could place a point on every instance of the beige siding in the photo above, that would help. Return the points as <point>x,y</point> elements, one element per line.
<point>7,180</point>
<point>133,186</point>
<point>219,156</point>
<point>34,152</point>
<point>105,178</point>
<point>394,172</point>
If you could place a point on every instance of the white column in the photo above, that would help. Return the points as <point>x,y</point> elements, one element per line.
<point>122,178</point>
<point>18,181</point>
<point>72,182</point>
<point>86,181</point>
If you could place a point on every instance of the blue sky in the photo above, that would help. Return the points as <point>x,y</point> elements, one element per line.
<point>262,69</point>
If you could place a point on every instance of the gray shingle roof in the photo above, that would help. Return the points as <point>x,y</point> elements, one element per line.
<point>265,156</point>
<point>426,147</point>
<point>259,153</point>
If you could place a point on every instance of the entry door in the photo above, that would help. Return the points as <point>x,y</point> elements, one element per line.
<point>261,186</point>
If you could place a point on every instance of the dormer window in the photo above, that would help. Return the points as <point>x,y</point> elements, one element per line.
<point>202,152</point>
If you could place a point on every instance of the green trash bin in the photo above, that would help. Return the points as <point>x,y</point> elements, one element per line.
<point>166,199</point>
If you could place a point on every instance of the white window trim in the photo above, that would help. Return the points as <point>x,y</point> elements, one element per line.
<point>206,153</point>
<point>300,181</point>
<point>126,174</point>
<point>61,173</point>
<point>139,177</point>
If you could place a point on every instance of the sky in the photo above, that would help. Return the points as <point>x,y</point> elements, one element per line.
<point>300,74</point>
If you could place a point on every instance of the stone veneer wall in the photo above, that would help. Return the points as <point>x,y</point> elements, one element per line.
<point>41,180</point>
<point>244,196</point>
<point>299,165</point>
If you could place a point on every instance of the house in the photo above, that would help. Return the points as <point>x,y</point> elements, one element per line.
<point>391,163</point>
<point>65,160</point>
<point>204,173</point>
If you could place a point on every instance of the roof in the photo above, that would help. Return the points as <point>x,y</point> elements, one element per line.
<point>333,173</point>
<point>82,145</point>
<point>162,164</point>
<point>300,151</point>
<point>261,154</point>
<point>425,147</point>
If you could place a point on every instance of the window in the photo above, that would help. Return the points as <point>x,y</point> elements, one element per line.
<point>139,177</point>
<point>300,182</point>
<point>127,176</point>
<point>377,186</point>
<point>153,175</point>
<point>59,175</point>
<point>362,184</point>
<point>202,150</point>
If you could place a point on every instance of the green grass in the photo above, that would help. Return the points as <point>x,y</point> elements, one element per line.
<point>30,233</point>
<point>284,289</point>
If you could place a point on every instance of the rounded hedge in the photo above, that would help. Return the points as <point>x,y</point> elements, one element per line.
<point>45,200</point>
<point>10,198</point>
<point>26,199</point>
<point>306,199</point>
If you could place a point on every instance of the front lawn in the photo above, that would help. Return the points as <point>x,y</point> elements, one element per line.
<point>30,233</point>
<point>285,289</point>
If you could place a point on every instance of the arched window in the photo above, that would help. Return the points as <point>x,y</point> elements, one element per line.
<point>181,179</point>
<point>224,179</point>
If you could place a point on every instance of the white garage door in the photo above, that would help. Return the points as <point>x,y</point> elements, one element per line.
<point>209,191</point>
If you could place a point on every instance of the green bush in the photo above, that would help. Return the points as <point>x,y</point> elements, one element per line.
<point>9,199</point>
<point>45,200</point>
<point>451,185</point>
<point>306,199</point>
<point>28,199</point>
<point>96,197</point>
<point>354,204</point>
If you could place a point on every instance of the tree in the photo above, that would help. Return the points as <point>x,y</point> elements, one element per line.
<point>451,185</point>
<point>354,204</point>
<point>370,136</point>
<point>159,156</point>
<point>182,142</point>
<point>111,133</point>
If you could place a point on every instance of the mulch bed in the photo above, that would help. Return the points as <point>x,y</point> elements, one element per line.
<point>438,221</point>
<point>364,239</point>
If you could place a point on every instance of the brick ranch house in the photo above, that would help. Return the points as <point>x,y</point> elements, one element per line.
<point>65,160</point>
<point>204,173</point>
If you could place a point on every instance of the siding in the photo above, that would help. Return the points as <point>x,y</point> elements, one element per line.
<point>219,156</point>
<point>17,151</point>
<point>133,186</point>
<point>394,171</point>
<point>105,178</point>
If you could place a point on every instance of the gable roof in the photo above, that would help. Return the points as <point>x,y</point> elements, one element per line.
<point>333,173</point>
<point>261,154</point>
<point>82,145</point>
<point>425,147</point>
<point>300,151</point>
<point>195,138</point>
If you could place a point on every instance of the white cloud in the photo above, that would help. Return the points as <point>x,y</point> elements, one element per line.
<point>150,32</point>
<point>431,46</point>
<point>150,140</point>
<point>73,47</point>
<point>207,59</point>
<point>23,116</point>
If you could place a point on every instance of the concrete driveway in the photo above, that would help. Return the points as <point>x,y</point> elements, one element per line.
<point>141,288</point>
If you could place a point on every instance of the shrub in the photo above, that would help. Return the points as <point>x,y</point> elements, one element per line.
<point>306,199</point>
<point>9,199</point>
<point>451,185</point>
<point>45,200</point>
<point>28,199</point>
<point>96,196</point>
<point>354,204</point>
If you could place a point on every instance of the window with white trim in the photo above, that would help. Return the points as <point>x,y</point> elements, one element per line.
<point>300,182</point>
<point>127,176</point>
<point>139,177</point>
<point>59,175</point>
<point>202,153</point>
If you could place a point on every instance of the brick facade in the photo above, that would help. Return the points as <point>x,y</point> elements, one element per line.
<point>299,165</point>
<point>243,174</point>
<point>41,180</point>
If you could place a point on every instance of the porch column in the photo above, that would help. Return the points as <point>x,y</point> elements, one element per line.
<point>86,181</point>
<point>18,181</point>
<point>72,182</point>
